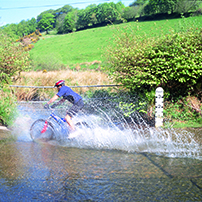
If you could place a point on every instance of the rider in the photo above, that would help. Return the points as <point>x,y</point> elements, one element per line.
<point>68,94</point>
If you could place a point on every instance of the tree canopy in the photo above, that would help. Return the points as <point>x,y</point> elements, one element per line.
<point>99,15</point>
<point>46,22</point>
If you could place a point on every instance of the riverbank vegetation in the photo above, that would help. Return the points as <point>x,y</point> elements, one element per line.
<point>184,112</point>
<point>48,78</point>
<point>13,60</point>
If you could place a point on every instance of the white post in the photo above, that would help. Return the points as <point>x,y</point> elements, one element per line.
<point>159,107</point>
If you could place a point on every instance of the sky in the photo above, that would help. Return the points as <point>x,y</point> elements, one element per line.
<point>14,11</point>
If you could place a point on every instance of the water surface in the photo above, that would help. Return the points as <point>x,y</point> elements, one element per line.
<point>103,163</point>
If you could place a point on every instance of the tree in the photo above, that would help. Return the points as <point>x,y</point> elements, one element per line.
<point>70,22</point>
<point>10,30</point>
<point>32,24</point>
<point>90,15</point>
<point>60,23</point>
<point>60,14</point>
<point>60,11</point>
<point>81,22</point>
<point>160,6</point>
<point>46,22</point>
<point>21,29</point>
<point>87,17</point>
<point>40,16</point>
<point>107,12</point>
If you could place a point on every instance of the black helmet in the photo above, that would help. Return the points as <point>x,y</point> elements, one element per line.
<point>59,83</point>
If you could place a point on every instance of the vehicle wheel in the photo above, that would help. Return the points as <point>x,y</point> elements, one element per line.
<point>36,128</point>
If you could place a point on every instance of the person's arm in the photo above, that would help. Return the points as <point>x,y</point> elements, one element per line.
<point>55,97</point>
<point>61,101</point>
<point>58,103</point>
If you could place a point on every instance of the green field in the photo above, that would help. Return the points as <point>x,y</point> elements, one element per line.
<point>90,45</point>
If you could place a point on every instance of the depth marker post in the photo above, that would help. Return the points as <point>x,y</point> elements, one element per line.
<point>159,107</point>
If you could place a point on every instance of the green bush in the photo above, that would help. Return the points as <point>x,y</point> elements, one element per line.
<point>183,112</point>
<point>172,61</point>
<point>13,59</point>
<point>7,105</point>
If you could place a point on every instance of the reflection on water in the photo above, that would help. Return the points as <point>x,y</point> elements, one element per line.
<point>43,172</point>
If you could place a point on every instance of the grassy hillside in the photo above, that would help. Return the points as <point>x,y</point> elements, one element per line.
<point>70,50</point>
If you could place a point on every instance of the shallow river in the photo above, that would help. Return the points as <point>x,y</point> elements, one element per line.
<point>44,172</point>
<point>103,165</point>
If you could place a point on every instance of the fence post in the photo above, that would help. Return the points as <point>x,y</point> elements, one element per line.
<point>159,107</point>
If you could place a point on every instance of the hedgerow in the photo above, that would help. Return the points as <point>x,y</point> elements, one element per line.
<point>13,60</point>
<point>173,61</point>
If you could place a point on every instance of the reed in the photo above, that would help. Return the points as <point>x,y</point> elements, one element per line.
<point>48,78</point>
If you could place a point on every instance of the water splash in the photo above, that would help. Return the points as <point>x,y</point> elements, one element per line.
<point>116,133</point>
<point>167,142</point>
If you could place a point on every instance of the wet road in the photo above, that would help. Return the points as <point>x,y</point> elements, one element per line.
<point>46,172</point>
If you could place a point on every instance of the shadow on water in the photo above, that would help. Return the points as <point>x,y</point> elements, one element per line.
<point>107,162</point>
